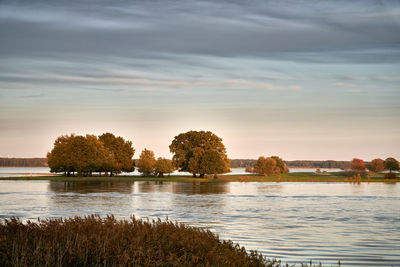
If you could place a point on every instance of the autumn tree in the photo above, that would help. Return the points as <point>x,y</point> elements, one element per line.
<point>122,152</point>
<point>213,162</point>
<point>357,165</point>
<point>59,159</point>
<point>146,162</point>
<point>81,154</point>
<point>194,149</point>
<point>391,164</point>
<point>265,166</point>
<point>377,165</point>
<point>87,154</point>
<point>280,165</point>
<point>162,166</point>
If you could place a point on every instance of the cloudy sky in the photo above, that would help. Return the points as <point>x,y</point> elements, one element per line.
<point>298,79</point>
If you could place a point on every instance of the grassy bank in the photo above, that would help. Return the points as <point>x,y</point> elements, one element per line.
<point>287,177</point>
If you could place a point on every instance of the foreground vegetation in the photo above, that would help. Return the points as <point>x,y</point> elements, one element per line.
<point>96,241</point>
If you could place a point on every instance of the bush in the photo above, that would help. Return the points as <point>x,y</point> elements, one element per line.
<point>96,241</point>
<point>351,173</point>
<point>390,175</point>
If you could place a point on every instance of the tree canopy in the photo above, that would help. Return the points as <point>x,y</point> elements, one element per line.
<point>199,152</point>
<point>280,165</point>
<point>270,165</point>
<point>265,166</point>
<point>377,165</point>
<point>146,162</point>
<point>391,164</point>
<point>87,154</point>
<point>162,166</point>
<point>122,152</point>
<point>357,165</point>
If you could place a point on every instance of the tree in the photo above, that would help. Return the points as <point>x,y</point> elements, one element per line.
<point>192,153</point>
<point>213,162</point>
<point>146,162</point>
<point>87,154</point>
<point>357,165</point>
<point>162,166</point>
<point>391,164</point>
<point>122,152</point>
<point>377,165</point>
<point>59,159</point>
<point>280,165</point>
<point>265,166</point>
<point>81,154</point>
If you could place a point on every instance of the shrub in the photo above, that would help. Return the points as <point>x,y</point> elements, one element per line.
<point>96,241</point>
<point>390,175</point>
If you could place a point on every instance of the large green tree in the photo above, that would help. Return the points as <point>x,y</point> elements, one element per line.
<point>122,152</point>
<point>194,150</point>
<point>391,164</point>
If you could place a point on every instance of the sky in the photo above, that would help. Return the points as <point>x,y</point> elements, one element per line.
<point>310,79</point>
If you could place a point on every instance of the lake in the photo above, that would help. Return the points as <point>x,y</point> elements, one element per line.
<point>358,224</point>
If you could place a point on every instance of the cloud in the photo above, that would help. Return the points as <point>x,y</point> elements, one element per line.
<point>367,78</point>
<point>32,96</point>
<point>148,83</point>
<point>344,85</point>
<point>323,31</point>
<point>387,78</point>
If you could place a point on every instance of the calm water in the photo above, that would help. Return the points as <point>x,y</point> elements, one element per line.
<point>358,224</point>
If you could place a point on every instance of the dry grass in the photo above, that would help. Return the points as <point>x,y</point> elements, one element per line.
<point>96,241</point>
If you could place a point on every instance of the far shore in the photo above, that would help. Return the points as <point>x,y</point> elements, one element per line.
<point>287,177</point>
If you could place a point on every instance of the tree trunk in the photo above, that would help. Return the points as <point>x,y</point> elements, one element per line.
<point>194,175</point>
<point>201,175</point>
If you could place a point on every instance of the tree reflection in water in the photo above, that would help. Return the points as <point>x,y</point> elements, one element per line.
<point>200,188</point>
<point>83,187</point>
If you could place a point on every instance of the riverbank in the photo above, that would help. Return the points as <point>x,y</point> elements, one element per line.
<point>287,177</point>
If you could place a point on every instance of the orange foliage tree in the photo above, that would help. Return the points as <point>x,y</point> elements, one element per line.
<point>357,165</point>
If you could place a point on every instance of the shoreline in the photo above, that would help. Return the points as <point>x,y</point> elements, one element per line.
<point>287,177</point>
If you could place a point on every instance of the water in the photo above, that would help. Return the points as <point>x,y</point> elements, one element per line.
<point>295,222</point>
<point>38,171</point>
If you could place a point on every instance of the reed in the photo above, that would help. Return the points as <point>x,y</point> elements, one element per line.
<point>105,241</point>
<point>96,241</point>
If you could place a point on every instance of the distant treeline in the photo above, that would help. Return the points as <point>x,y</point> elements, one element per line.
<point>243,163</point>
<point>235,163</point>
<point>23,162</point>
